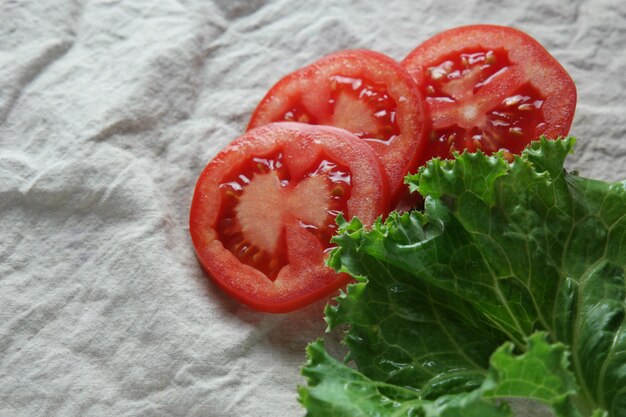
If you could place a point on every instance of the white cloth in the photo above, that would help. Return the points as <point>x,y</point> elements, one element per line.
<point>110,109</point>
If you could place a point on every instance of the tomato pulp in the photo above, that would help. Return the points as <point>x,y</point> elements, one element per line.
<point>364,92</point>
<point>264,211</point>
<point>490,88</point>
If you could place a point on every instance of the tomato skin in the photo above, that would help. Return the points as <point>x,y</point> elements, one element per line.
<point>530,63</point>
<point>305,278</point>
<point>311,89</point>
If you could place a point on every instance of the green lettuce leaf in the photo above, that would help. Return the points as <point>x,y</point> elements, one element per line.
<point>541,374</point>
<point>510,283</point>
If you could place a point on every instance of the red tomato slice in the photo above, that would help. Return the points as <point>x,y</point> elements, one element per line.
<point>362,91</point>
<point>264,210</point>
<point>490,88</point>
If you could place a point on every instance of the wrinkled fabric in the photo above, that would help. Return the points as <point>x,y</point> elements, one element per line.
<point>109,110</point>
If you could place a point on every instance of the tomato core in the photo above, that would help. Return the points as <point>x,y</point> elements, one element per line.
<point>263,199</point>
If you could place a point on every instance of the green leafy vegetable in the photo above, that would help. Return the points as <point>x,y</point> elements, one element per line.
<point>510,284</point>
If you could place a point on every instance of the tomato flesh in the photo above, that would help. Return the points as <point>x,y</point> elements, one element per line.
<point>355,104</point>
<point>364,108</point>
<point>490,88</point>
<point>364,92</point>
<point>265,185</point>
<point>461,120</point>
<point>264,211</point>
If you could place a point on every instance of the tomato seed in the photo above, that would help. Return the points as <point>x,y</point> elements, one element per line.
<point>258,257</point>
<point>508,155</point>
<point>251,252</point>
<point>337,191</point>
<point>231,194</point>
<point>273,265</point>
<point>226,225</point>
<point>243,248</point>
<point>488,144</point>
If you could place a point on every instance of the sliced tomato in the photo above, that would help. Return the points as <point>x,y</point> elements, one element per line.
<point>362,91</point>
<point>490,88</point>
<point>264,210</point>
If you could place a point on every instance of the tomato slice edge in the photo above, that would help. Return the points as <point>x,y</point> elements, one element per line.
<point>532,63</point>
<point>242,281</point>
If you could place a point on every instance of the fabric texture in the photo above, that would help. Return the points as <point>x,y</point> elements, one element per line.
<point>110,109</point>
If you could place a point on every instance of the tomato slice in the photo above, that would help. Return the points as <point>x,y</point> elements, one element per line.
<point>490,88</point>
<point>264,210</point>
<point>362,91</point>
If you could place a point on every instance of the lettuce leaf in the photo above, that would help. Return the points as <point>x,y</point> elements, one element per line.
<point>509,284</point>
